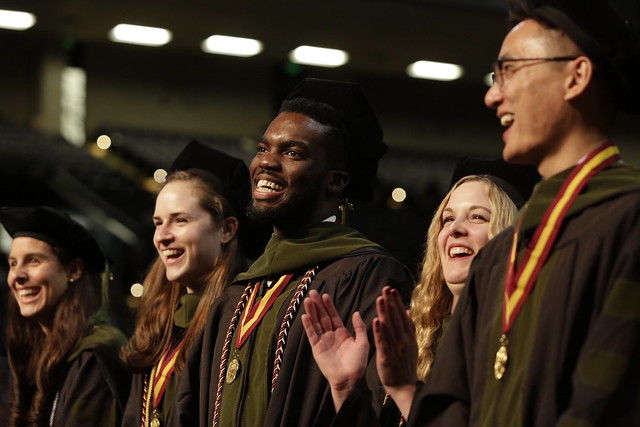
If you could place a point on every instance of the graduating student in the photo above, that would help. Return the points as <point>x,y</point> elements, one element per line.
<point>199,218</point>
<point>63,357</point>
<point>254,364</point>
<point>482,201</point>
<point>547,330</point>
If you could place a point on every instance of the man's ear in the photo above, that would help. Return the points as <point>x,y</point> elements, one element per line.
<point>579,77</point>
<point>338,181</point>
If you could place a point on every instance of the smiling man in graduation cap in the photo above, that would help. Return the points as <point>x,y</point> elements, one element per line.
<point>255,366</point>
<point>547,330</point>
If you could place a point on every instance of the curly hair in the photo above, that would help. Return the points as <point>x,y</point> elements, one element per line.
<point>154,325</point>
<point>431,299</point>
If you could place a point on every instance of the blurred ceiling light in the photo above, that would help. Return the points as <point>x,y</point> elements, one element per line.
<point>15,20</point>
<point>104,142</point>
<point>488,79</point>
<point>234,46</point>
<point>137,290</point>
<point>137,34</point>
<point>160,175</point>
<point>323,57</point>
<point>399,195</point>
<point>435,71</point>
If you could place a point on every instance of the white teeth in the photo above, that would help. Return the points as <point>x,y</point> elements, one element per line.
<point>28,292</point>
<point>171,252</point>
<point>459,250</point>
<point>268,186</point>
<point>506,119</point>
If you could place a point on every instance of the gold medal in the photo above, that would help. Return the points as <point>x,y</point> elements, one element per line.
<point>501,358</point>
<point>232,370</point>
<point>155,419</point>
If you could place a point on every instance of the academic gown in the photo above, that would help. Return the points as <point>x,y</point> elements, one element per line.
<point>96,385</point>
<point>133,411</point>
<point>574,347</point>
<point>361,407</point>
<point>352,271</point>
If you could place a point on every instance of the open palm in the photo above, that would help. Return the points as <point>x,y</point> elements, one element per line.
<point>342,359</point>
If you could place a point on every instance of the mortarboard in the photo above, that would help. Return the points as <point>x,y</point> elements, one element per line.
<point>57,229</point>
<point>230,178</point>
<point>515,180</point>
<point>364,145</point>
<point>602,33</point>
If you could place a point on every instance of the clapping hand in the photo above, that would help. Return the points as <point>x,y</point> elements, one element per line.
<point>342,359</point>
<point>396,349</point>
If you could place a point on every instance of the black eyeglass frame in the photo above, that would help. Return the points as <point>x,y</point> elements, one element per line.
<point>497,65</point>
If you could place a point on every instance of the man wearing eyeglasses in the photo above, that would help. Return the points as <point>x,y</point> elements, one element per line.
<point>547,330</point>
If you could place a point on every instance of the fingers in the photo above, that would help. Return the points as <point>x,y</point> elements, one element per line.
<point>394,312</point>
<point>380,341</point>
<point>322,312</point>
<point>392,328</point>
<point>360,329</point>
<point>309,329</point>
<point>312,311</point>
<point>332,313</point>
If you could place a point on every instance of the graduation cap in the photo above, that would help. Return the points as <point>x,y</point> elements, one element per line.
<point>515,180</point>
<point>230,174</point>
<point>604,35</point>
<point>230,178</point>
<point>364,143</point>
<point>56,228</point>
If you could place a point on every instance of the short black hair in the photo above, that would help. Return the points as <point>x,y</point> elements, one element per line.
<point>359,132</point>
<point>337,134</point>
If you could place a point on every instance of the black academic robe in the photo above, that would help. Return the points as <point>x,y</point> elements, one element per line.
<point>133,411</point>
<point>301,396</point>
<point>96,385</point>
<point>574,347</point>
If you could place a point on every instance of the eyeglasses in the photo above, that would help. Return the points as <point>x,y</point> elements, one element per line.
<point>502,71</point>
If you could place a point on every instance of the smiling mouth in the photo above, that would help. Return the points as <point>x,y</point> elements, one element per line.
<point>266,186</point>
<point>27,294</point>
<point>506,120</point>
<point>172,253</point>
<point>460,252</point>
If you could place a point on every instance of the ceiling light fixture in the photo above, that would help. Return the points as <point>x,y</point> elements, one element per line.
<point>234,46</point>
<point>16,20</point>
<point>320,56</point>
<point>435,71</point>
<point>141,35</point>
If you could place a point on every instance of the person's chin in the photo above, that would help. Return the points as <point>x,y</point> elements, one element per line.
<point>175,276</point>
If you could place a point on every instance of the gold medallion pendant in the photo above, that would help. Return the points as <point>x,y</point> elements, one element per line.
<point>232,370</point>
<point>502,356</point>
<point>155,419</point>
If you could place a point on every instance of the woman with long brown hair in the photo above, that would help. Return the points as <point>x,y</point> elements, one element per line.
<point>63,357</point>
<point>198,220</point>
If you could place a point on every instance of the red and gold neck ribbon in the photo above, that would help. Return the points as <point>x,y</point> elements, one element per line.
<point>254,312</point>
<point>519,284</point>
<point>163,372</point>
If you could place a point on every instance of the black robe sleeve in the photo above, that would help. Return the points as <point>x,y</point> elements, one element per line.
<point>94,391</point>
